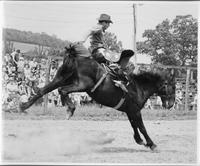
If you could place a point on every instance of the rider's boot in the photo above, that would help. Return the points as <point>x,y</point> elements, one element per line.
<point>121,85</point>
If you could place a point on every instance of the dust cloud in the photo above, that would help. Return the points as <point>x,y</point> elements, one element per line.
<point>52,143</point>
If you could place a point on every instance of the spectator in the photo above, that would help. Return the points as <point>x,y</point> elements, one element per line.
<point>12,86</point>
<point>179,95</point>
<point>27,71</point>
<point>7,59</point>
<point>38,69</point>
<point>194,103</point>
<point>52,73</point>
<point>41,82</point>
<point>12,72</point>
<point>20,66</point>
<point>15,57</point>
<point>148,104</point>
<point>24,97</point>
<point>158,101</point>
<point>33,63</point>
<point>22,87</point>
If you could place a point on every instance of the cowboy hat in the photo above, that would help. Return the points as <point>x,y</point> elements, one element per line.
<point>105,17</point>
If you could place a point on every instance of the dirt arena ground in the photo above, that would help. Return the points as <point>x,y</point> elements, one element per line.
<point>81,141</point>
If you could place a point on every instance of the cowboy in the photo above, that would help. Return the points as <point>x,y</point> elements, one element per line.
<point>98,46</point>
<point>96,35</point>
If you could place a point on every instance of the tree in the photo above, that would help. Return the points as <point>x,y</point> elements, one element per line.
<point>41,39</point>
<point>112,43</point>
<point>172,43</point>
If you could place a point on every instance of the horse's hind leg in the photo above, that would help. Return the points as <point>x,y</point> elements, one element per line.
<point>65,99</point>
<point>59,80</point>
<point>46,89</point>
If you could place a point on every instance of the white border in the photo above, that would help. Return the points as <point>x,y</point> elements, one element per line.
<point>100,2</point>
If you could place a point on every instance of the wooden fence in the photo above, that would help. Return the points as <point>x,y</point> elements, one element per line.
<point>186,81</point>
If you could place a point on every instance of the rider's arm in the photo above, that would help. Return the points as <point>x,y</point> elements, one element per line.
<point>86,36</point>
<point>91,32</point>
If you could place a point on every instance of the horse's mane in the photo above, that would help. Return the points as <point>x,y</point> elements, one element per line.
<point>145,77</point>
<point>76,50</point>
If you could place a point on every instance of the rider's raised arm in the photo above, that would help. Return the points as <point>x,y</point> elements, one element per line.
<point>86,36</point>
<point>91,32</point>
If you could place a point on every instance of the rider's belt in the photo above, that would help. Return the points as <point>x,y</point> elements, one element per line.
<point>95,49</point>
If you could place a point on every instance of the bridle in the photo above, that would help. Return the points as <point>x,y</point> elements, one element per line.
<point>164,88</point>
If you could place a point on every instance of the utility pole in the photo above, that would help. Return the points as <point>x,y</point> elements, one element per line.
<point>134,33</point>
<point>48,68</point>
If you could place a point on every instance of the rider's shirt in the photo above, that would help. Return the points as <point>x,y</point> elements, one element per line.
<point>97,37</point>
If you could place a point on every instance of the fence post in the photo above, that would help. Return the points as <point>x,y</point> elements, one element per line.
<point>187,89</point>
<point>48,68</point>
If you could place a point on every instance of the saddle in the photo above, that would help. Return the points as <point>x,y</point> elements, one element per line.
<point>116,70</point>
<point>117,75</point>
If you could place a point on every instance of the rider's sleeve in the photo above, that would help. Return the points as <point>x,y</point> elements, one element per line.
<point>86,36</point>
<point>91,32</point>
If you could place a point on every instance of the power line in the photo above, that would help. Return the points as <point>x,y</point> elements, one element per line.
<point>56,21</point>
<point>36,19</point>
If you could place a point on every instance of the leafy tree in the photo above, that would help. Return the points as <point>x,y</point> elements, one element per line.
<point>172,43</point>
<point>112,43</point>
<point>41,39</point>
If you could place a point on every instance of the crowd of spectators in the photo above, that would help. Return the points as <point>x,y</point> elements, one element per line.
<point>22,76</point>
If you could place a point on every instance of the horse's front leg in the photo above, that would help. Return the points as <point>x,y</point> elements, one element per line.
<point>66,101</point>
<point>133,123</point>
<point>142,129</point>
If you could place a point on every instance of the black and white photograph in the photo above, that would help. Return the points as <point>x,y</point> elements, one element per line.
<point>99,82</point>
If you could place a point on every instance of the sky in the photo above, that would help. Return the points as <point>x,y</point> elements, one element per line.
<point>70,20</point>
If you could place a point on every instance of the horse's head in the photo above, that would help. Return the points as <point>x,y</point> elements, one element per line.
<point>166,89</point>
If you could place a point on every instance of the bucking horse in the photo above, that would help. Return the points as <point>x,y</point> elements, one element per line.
<point>84,74</point>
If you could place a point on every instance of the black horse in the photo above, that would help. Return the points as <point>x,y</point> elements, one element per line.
<point>84,74</point>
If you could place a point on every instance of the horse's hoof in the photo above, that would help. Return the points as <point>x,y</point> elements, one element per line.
<point>141,143</point>
<point>69,115</point>
<point>25,112</point>
<point>153,147</point>
<point>21,108</point>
